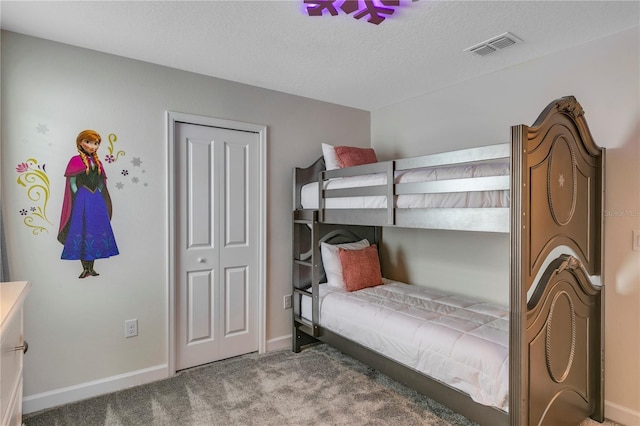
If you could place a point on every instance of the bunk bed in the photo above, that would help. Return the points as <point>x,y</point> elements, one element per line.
<point>545,189</point>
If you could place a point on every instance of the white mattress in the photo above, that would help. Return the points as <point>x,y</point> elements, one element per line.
<point>309,193</point>
<point>456,340</point>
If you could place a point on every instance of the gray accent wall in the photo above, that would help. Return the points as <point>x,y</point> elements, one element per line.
<point>75,327</point>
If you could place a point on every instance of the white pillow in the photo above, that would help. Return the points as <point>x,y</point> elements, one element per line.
<point>332,264</point>
<point>330,157</point>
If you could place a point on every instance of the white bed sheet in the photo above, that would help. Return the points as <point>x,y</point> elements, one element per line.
<point>309,193</point>
<point>457,340</point>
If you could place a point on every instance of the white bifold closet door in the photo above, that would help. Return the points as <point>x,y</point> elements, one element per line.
<point>217,267</point>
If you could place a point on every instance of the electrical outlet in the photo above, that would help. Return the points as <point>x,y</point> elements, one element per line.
<point>131,328</point>
<point>287,301</point>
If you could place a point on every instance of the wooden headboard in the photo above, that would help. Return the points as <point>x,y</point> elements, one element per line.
<point>557,178</point>
<point>556,339</point>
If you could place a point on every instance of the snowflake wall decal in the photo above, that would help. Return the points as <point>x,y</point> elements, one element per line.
<point>374,10</point>
<point>42,128</point>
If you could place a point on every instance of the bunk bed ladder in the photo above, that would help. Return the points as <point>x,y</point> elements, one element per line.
<point>306,275</point>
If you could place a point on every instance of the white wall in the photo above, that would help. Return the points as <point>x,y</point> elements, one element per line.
<point>604,77</point>
<point>75,327</point>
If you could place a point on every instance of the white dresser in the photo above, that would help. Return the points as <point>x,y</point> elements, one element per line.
<point>13,347</point>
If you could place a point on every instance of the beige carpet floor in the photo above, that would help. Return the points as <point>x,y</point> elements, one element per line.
<point>319,386</point>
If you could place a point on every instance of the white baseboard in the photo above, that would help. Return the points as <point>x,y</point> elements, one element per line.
<point>44,400</point>
<point>620,414</point>
<point>282,342</point>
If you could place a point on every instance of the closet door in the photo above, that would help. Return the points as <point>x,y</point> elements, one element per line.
<point>217,282</point>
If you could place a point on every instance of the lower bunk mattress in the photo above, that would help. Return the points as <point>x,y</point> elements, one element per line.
<point>454,339</point>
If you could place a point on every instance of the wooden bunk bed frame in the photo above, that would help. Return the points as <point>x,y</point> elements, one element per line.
<point>555,222</point>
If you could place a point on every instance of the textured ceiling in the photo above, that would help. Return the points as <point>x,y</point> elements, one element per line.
<point>338,59</point>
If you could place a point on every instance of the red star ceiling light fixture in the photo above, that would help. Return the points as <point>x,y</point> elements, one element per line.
<point>375,11</point>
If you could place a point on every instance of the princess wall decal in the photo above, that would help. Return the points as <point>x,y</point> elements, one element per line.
<point>85,222</point>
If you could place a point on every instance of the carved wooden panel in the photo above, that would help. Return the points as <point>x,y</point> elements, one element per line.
<point>564,188</point>
<point>555,368</point>
<point>564,363</point>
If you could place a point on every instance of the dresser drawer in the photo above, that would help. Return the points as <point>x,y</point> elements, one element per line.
<point>12,296</point>
<point>14,414</point>
<point>11,370</point>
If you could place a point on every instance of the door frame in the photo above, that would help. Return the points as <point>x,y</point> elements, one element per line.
<point>171,119</point>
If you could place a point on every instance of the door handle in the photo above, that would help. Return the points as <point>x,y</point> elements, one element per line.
<point>202,260</point>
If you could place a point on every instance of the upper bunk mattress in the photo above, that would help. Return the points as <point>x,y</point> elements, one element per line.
<point>500,198</point>
<point>459,341</point>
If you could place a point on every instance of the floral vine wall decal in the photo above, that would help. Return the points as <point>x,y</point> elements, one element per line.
<point>111,157</point>
<point>34,177</point>
<point>373,9</point>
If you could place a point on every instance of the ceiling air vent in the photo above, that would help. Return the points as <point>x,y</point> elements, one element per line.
<point>493,44</point>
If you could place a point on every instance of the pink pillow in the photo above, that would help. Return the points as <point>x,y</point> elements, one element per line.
<point>360,268</point>
<point>351,156</point>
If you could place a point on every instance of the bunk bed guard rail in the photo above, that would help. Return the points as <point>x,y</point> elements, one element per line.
<point>472,219</point>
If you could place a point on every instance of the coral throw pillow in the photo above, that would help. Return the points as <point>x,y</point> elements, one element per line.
<point>360,268</point>
<point>331,260</point>
<point>349,156</point>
